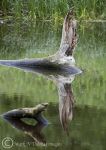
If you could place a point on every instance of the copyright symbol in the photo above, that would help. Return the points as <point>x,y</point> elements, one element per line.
<point>7,142</point>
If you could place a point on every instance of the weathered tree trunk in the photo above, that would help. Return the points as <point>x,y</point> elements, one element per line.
<point>63,57</point>
<point>68,41</point>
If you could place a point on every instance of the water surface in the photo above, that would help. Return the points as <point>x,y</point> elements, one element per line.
<point>20,89</point>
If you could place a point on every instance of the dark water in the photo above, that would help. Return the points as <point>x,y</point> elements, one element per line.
<point>18,88</point>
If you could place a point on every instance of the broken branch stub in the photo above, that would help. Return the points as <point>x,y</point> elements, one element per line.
<point>69,37</point>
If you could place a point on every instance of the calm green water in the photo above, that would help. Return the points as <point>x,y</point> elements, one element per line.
<point>19,89</point>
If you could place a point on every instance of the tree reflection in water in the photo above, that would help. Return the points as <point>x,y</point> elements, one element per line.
<point>63,82</point>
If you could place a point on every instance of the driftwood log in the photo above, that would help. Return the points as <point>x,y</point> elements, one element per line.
<point>63,60</point>
<point>34,112</point>
<point>14,117</point>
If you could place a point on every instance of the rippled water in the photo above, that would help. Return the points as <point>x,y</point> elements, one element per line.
<point>18,88</point>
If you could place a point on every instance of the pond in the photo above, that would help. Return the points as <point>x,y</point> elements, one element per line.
<point>18,88</point>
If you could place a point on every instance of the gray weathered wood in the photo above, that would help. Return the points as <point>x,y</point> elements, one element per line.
<point>64,55</point>
<point>33,112</point>
<point>14,117</point>
<point>68,41</point>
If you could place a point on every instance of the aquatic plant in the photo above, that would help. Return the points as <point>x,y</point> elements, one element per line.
<point>49,10</point>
